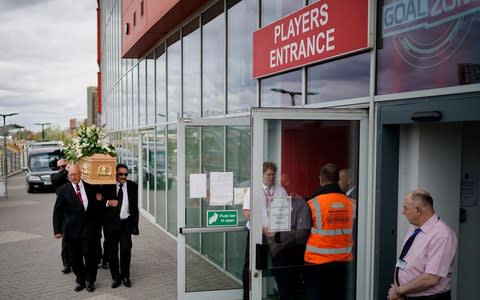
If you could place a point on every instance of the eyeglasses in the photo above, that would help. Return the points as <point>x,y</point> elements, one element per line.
<point>62,167</point>
<point>122,174</point>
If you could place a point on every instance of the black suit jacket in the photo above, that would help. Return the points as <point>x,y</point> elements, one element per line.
<point>111,215</point>
<point>71,219</point>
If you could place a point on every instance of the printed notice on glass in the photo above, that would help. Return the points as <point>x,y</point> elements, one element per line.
<point>280,208</point>
<point>239,195</point>
<point>198,185</point>
<point>221,188</point>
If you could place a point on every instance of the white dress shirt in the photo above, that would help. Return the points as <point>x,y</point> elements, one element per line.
<point>124,210</point>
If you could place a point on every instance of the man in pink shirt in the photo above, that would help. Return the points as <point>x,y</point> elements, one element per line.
<point>424,268</point>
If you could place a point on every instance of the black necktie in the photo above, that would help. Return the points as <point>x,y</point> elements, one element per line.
<point>120,194</point>
<point>405,249</point>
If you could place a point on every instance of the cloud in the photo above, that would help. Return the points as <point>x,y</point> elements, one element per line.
<point>48,60</point>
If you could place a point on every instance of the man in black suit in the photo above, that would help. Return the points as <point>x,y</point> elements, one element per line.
<point>76,218</point>
<point>59,179</point>
<point>120,222</point>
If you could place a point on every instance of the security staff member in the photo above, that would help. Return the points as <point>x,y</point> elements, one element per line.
<point>329,245</point>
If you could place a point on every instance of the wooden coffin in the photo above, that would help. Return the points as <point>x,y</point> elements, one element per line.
<point>98,169</point>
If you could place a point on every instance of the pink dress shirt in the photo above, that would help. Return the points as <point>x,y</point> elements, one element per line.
<point>432,252</point>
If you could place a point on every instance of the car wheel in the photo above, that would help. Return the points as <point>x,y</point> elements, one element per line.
<point>30,188</point>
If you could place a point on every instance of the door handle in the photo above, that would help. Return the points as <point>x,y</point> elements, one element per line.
<point>261,256</point>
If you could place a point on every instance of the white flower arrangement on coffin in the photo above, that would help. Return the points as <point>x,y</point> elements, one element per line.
<point>90,140</point>
<point>95,155</point>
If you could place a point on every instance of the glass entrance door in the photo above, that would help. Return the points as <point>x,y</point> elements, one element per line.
<point>147,171</point>
<point>290,148</point>
<point>214,168</point>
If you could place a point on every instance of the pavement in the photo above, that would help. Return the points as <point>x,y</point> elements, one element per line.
<point>30,262</point>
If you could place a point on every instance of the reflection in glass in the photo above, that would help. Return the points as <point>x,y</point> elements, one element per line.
<point>281,90</point>
<point>161,83</point>
<point>174,77</point>
<point>213,161</point>
<point>203,276</point>
<point>416,57</point>
<point>241,86</point>
<point>191,70</point>
<point>238,162</point>
<point>272,10</point>
<point>142,93</point>
<point>135,96</point>
<point>192,166</point>
<point>345,78</point>
<point>161,156</point>
<point>172,189</point>
<point>150,101</point>
<point>213,93</point>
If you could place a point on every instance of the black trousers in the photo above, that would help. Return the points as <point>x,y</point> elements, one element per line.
<point>327,281</point>
<point>442,296</point>
<point>66,259</point>
<point>113,241</point>
<point>246,266</point>
<point>289,281</point>
<point>84,261</point>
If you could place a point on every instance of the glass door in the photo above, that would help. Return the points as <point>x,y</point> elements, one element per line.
<point>214,167</point>
<point>147,176</point>
<point>291,148</point>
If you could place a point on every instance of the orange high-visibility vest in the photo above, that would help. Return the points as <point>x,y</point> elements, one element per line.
<point>331,235</point>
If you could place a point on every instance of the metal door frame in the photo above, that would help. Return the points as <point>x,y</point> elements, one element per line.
<point>181,178</point>
<point>365,214</point>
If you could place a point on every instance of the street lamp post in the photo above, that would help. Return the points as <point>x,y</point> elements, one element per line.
<point>292,94</point>
<point>5,171</point>
<point>43,129</point>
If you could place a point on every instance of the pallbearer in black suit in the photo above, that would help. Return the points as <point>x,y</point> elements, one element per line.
<point>76,218</point>
<point>120,222</point>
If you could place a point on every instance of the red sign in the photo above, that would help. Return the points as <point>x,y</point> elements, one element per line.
<point>317,32</point>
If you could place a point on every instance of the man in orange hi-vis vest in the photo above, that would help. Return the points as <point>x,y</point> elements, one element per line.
<point>329,247</point>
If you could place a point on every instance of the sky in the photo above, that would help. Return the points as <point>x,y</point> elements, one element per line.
<point>47,60</point>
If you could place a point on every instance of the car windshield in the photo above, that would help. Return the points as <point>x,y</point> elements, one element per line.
<point>44,161</point>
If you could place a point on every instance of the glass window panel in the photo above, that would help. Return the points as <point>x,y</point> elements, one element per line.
<point>193,206</point>
<point>202,275</point>
<point>238,162</point>
<point>213,55</point>
<point>282,90</point>
<point>241,86</point>
<point>172,189</point>
<point>150,109</point>
<point>213,161</point>
<point>191,70</point>
<point>161,84</point>
<point>142,93</point>
<point>273,10</point>
<point>135,96</point>
<point>339,79</point>
<point>161,188</point>
<point>174,72</point>
<point>429,51</point>
<point>298,173</point>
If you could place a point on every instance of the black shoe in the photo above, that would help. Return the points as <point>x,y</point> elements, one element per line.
<point>116,283</point>
<point>79,287</point>
<point>104,264</point>
<point>90,286</point>
<point>66,269</point>
<point>126,282</point>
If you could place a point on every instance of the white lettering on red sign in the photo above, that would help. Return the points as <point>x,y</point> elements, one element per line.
<point>317,43</point>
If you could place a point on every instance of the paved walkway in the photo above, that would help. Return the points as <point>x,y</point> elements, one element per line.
<point>30,260</point>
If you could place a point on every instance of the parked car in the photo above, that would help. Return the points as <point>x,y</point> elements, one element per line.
<point>41,164</point>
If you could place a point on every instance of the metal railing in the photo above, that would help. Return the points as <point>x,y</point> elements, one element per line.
<point>15,161</point>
